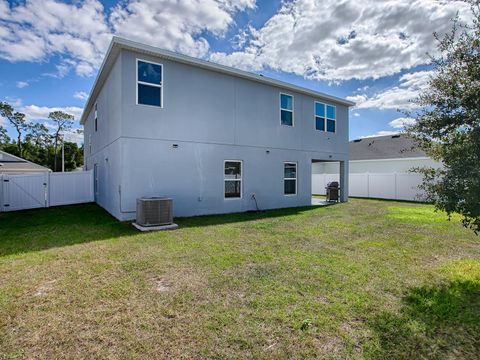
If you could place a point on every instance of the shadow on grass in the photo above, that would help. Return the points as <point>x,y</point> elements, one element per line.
<point>435,323</point>
<point>207,220</point>
<point>40,229</point>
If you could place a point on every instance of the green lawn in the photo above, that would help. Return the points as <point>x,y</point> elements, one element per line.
<point>366,279</point>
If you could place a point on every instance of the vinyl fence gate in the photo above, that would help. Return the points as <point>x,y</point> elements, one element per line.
<point>39,190</point>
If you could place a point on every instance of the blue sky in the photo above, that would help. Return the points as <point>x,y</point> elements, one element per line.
<point>372,52</point>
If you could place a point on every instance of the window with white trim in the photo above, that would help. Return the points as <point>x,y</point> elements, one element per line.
<point>233,179</point>
<point>325,117</point>
<point>149,83</point>
<point>286,109</point>
<point>290,178</point>
<point>331,118</point>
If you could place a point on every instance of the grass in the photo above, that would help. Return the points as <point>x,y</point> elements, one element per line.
<point>366,279</point>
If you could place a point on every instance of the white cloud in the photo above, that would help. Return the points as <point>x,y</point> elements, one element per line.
<point>35,112</point>
<point>397,97</point>
<point>74,136</point>
<point>241,38</point>
<point>356,114</point>
<point>81,95</point>
<point>176,25</point>
<point>398,124</point>
<point>22,84</point>
<point>15,102</point>
<point>33,30</point>
<point>381,133</point>
<point>329,40</point>
<point>402,122</point>
<point>62,69</point>
<point>80,31</point>
<point>342,40</point>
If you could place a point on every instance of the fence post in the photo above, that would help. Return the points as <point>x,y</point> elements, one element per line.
<point>395,182</point>
<point>5,194</point>
<point>368,184</point>
<point>47,189</point>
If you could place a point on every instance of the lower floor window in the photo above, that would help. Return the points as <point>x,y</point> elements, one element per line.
<point>233,179</point>
<point>290,178</point>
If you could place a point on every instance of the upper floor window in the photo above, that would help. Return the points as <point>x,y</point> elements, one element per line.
<point>149,83</point>
<point>286,109</point>
<point>331,118</point>
<point>233,179</point>
<point>96,118</point>
<point>325,117</point>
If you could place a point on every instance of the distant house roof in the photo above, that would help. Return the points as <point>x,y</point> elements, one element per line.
<point>384,147</point>
<point>15,165</point>
<point>119,43</point>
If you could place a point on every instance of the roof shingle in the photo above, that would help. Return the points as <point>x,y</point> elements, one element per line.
<point>384,147</point>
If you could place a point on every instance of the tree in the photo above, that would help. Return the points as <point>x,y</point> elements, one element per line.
<point>4,138</point>
<point>73,156</point>
<point>38,135</point>
<point>448,124</point>
<point>37,143</point>
<point>63,122</point>
<point>17,120</point>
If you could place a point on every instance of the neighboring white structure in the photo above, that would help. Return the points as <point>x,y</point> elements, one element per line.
<point>379,167</point>
<point>11,164</point>
<point>381,154</point>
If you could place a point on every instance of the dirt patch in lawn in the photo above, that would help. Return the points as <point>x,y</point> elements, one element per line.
<point>162,285</point>
<point>45,288</point>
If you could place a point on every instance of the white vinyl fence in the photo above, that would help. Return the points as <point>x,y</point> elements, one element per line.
<point>29,191</point>
<point>395,186</point>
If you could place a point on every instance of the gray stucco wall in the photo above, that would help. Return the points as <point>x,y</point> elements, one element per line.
<point>102,147</point>
<point>192,175</point>
<point>206,106</point>
<point>212,117</point>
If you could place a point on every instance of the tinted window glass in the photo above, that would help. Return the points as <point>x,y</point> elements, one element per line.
<point>232,189</point>
<point>149,73</point>
<point>287,117</point>
<point>290,178</point>
<point>290,171</point>
<point>233,170</point>
<point>330,112</point>
<point>320,109</point>
<point>286,102</point>
<point>149,95</point>
<point>320,124</point>
<point>290,187</point>
<point>331,125</point>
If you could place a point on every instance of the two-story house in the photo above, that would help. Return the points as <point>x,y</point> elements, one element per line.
<point>209,136</point>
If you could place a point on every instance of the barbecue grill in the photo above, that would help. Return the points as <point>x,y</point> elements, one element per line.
<point>333,191</point>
